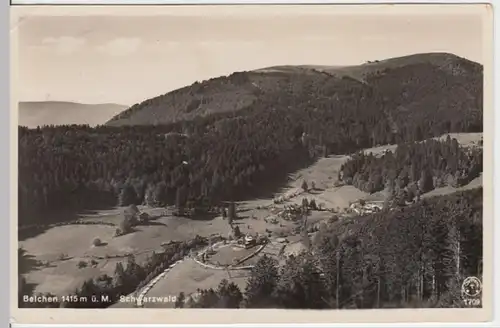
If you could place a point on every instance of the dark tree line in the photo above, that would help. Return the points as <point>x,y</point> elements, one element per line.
<point>79,167</point>
<point>415,256</point>
<point>414,168</point>
<point>227,295</point>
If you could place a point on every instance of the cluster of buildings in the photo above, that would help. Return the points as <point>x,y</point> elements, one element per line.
<point>249,241</point>
<point>287,196</point>
<point>290,212</point>
<point>366,207</point>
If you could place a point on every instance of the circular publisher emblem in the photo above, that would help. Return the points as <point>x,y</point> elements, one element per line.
<point>471,287</point>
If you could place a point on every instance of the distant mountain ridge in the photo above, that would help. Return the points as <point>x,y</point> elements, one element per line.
<point>39,113</point>
<point>442,61</point>
<point>430,82</point>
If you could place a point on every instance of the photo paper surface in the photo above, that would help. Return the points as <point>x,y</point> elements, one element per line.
<point>252,164</point>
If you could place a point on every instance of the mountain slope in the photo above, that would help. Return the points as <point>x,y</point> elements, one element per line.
<point>283,122</point>
<point>223,94</point>
<point>33,114</point>
<point>436,84</point>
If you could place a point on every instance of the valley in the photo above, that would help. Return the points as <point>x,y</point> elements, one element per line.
<point>62,248</point>
<point>204,193</point>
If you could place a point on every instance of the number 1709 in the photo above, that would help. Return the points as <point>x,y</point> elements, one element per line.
<point>472,302</point>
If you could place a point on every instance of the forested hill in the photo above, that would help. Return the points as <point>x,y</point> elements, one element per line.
<point>436,85</point>
<point>414,168</point>
<point>212,158</point>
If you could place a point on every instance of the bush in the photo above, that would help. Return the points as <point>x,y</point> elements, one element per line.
<point>237,232</point>
<point>118,232</point>
<point>96,242</point>
<point>333,219</point>
<point>82,264</point>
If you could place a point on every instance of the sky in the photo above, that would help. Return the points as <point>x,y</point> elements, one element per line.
<point>93,57</point>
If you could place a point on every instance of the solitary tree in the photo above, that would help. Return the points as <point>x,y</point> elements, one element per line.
<point>180,201</point>
<point>312,204</point>
<point>179,301</point>
<point>119,277</point>
<point>160,194</point>
<point>305,203</point>
<point>230,295</point>
<point>237,232</point>
<point>131,213</point>
<point>320,235</point>
<point>306,241</point>
<point>304,186</point>
<point>262,283</point>
<point>231,212</point>
<point>149,195</point>
<point>125,225</point>
<point>426,183</point>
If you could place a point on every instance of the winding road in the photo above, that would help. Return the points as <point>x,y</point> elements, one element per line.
<point>143,293</point>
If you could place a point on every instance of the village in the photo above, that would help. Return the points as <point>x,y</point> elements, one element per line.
<point>284,210</point>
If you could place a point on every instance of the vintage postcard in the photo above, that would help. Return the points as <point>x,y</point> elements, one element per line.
<point>270,163</point>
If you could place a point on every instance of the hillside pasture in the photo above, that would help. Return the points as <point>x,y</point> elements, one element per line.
<point>476,183</point>
<point>230,254</point>
<point>187,277</point>
<point>323,174</point>
<point>61,248</point>
<point>464,139</point>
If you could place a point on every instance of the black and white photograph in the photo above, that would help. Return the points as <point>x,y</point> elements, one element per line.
<point>252,157</point>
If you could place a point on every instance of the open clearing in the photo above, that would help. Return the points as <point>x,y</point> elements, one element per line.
<point>464,139</point>
<point>476,183</point>
<point>229,254</point>
<point>323,174</point>
<point>62,276</point>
